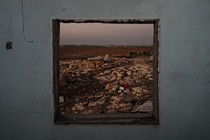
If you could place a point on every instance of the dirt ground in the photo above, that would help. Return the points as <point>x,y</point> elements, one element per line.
<point>97,80</point>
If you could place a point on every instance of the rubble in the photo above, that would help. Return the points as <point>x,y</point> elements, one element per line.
<point>78,107</point>
<point>111,87</point>
<point>92,104</point>
<point>137,89</point>
<point>105,84</point>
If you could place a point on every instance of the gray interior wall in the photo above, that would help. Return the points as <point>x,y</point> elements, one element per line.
<point>26,100</point>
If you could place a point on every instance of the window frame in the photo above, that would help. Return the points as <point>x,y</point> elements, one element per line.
<point>126,118</point>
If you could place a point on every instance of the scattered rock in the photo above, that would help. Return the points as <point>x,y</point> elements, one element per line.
<point>95,58</point>
<point>107,71</point>
<point>103,84</point>
<point>126,91</point>
<point>150,79</point>
<point>92,104</point>
<point>129,73</point>
<point>111,87</point>
<point>116,99</point>
<point>119,78</point>
<point>80,107</point>
<point>125,107</point>
<point>137,89</point>
<point>145,90</point>
<point>113,78</point>
<point>120,74</point>
<point>101,102</point>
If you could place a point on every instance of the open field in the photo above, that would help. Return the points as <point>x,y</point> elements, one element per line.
<point>84,51</point>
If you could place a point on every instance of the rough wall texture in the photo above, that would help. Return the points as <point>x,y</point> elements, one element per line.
<point>26,100</point>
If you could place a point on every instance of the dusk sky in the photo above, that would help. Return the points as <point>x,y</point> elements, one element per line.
<point>106,34</point>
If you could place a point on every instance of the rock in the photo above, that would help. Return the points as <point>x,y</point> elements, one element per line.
<point>116,99</point>
<point>90,64</point>
<point>113,78</point>
<point>119,78</point>
<point>129,73</point>
<point>145,107</point>
<point>63,113</point>
<point>106,58</point>
<point>107,71</point>
<point>108,86</point>
<point>101,102</point>
<point>125,106</point>
<point>61,99</point>
<point>85,103</point>
<point>120,74</point>
<point>145,90</point>
<point>99,96</point>
<point>151,58</point>
<point>101,78</point>
<point>74,108</point>
<point>148,76</point>
<point>101,73</point>
<point>92,104</point>
<point>126,91</point>
<point>98,64</point>
<point>150,79</point>
<point>87,112</point>
<point>111,87</point>
<point>80,107</point>
<point>113,73</point>
<point>137,89</point>
<point>112,108</point>
<point>95,58</point>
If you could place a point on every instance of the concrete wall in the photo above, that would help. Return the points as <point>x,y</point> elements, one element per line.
<point>26,100</point>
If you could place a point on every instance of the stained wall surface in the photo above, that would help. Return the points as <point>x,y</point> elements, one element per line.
<point>26,99</point>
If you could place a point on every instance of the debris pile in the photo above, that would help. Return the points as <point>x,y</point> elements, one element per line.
<point>105,84</point>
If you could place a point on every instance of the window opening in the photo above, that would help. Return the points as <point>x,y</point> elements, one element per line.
<point>105,71</point>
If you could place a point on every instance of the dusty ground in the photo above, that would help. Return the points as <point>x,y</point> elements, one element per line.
<point>94,81</point>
